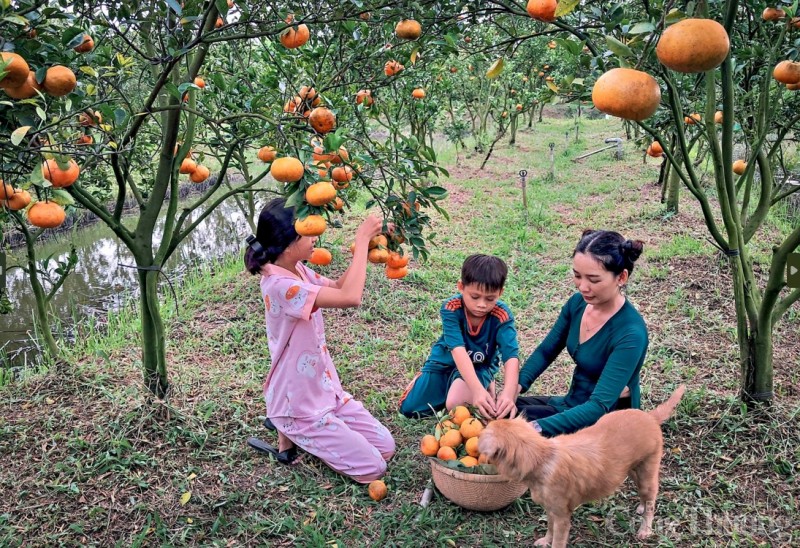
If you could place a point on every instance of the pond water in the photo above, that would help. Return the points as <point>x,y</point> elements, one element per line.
<point>102,280</point>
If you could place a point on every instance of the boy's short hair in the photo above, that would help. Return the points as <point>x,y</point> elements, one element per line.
<point>487,271</point>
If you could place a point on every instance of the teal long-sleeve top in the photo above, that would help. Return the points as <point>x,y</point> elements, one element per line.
<point>605,364</point>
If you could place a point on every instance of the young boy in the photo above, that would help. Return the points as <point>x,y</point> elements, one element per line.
<point>477,331</point>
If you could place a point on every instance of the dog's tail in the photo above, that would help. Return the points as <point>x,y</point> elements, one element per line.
<point>665,410</point>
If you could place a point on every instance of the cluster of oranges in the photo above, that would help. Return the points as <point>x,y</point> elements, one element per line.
<point>456,437</point>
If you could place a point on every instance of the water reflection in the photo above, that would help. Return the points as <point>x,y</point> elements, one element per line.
<point>103,278</point>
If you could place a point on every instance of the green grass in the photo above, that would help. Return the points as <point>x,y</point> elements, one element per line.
<point>91,460</point>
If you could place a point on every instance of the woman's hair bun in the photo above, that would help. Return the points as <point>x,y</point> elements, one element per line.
<point>632,249</point>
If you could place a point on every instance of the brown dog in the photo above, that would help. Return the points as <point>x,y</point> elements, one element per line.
<point>566,471</point>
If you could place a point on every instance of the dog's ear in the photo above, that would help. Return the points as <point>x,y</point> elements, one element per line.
<point>515,448</point>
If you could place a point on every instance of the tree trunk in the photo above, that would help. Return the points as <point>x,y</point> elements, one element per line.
<point>40,296</point>
<point>154,361</point>
<point>673,183</point>
<point>513,138</point>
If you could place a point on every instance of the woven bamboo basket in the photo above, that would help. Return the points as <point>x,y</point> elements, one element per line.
<point>483,493</point>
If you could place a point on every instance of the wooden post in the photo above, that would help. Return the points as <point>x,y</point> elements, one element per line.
<point>552,161</point>
<point>522,175</point>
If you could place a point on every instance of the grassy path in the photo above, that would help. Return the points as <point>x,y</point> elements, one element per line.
<point>89,461</point>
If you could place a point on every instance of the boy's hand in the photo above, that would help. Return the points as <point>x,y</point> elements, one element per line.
<point>506,405</point>
<point>484,402</point>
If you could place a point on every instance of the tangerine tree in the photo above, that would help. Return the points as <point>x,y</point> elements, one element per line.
<point>144,100</point>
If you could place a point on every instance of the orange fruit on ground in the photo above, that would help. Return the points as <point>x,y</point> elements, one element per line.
<point>86,46</point>
<point>446,453</point>
<point>266,154</point>
<point>60,178</point>
<point>26,90</point>
<point>199,82</point>
<point>322,120</point>
<point>294,37</point>
<point>459,414</point>
<point>627,93</point>
<point>773,14</point>
<point>188,166</point>
<point>320,193</point>
<point>739,166</point>
<point>471,445</point>
<point>444,427</point>
<point>471,428</point>
<point>378,255</point>
<point>59,81</point>
<point>693,45</point>
<point>469,461</point>
<point>408,29</point>
<point>200,174</point>
<point>313,225</point>
<point>17,70</point>
<point>787,72</point>
<point>429,445</point>
<point>396,273</point>
<point>451,438</point>
<point>46,215</point>
<point>342,174</point>
<point>18,200</point>
<point>718,117</point>
<point>364,96</point>
<point>483,459</point>
<point>542,10</point>
<point>655,150</point>
<point>377,490</point>
<point>321,256</point>
<point>396,260</point>
<point>392,67</point>
<point>287,169</point>
<point>418,93</point>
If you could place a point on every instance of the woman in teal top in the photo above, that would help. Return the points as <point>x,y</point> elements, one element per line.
<point>603,333</point>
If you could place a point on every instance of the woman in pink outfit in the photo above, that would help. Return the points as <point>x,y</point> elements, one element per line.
<point>305,400</point>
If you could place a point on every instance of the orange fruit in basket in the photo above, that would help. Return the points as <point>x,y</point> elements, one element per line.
<point>377,490</point>
<point>459,414</point>
<point>451,439</point>
<point>469,462</point>
<point>446,453</point>
<point>471,428</point>
<point>483,459</point>
<point>472,447</point>
<point>429,445</point>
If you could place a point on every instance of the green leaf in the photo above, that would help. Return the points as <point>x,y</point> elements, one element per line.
<point>19,134</point>
<point>642,28</point>
<point>222,7</point>
<point>552,86</point>
<point>89,70</point>
<point>61,197</point>
<point>496,68</point>
<point>188,494</point>
<point>76,40</point>
<point>41,113</point>
<point>565,7</point>
<point>435,192</point>
<point>618,48</point>
<point>172,89</point>
<point>296,199</point>
<point>175,6</point>
<point>674,16</point>
<point>219,81</point>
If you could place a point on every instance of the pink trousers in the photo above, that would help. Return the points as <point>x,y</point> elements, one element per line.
<point>348,439</point>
